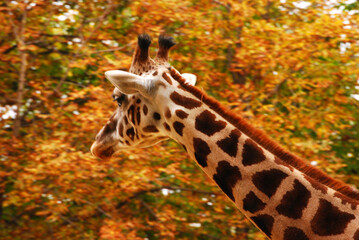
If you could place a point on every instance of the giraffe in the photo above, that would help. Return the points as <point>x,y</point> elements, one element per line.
<point>281,194</point>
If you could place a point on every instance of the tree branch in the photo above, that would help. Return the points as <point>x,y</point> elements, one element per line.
<point>149,210</point>
<point>20,38</point>
<point>99,209</point>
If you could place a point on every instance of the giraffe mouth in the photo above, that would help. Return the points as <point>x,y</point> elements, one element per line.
<point>102,153</point>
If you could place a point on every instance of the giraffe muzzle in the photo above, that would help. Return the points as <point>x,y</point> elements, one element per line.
<point>100,152</point>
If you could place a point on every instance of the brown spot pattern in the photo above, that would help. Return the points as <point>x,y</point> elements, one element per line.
<point>206,123</point>
<point>156,116</point>
<point>181,114</point>
<point>138,116</point>
<point>168,113</point>
<point>167,78</point>
<point>329,220</point>
<point>178,126</point>
<point>167,127</point>
<point>145,110</point>
<point>293,233</point>
<point>130,133</point>
<point>356,235</point>
<point>263,140</point>
<point>150,129</point>
<point>227,177</point>
<point>155,73</point>
<point>252,203</point>
<point>230,144</point>
<point>294,202</point>
<point>120,130</point>
<point>265,223</point>
<point>183,101</point>
<point>201,151</point>
<point>268,181</point>
<point>131,113</point>
<point>252,153</point>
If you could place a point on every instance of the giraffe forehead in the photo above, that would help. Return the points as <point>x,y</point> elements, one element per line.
<point>150,69</point>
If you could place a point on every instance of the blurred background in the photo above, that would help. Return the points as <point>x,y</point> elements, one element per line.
<point>289,67</point>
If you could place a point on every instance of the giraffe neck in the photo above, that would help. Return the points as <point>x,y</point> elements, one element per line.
<point>282,201</point>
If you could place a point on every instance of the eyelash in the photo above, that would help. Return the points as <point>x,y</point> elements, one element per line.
<point>119,99</point>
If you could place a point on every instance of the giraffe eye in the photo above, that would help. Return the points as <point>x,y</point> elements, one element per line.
<point>119,99</point>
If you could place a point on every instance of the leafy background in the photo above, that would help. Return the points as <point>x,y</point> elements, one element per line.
<point>289,67</point>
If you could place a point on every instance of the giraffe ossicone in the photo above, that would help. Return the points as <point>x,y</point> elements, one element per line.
<point>281,194</point>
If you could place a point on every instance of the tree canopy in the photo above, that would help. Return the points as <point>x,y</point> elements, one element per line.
<point>290,67</point>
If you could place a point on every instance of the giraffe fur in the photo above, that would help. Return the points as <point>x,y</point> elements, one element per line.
<point>282,195</point>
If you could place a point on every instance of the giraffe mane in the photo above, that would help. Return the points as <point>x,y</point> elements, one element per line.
<point>350,194</point>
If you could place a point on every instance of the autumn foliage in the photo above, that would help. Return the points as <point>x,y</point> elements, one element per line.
<point>289,67</point>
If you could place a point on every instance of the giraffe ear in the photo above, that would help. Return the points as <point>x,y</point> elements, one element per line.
<point>190,78</point>
<point>128,83</point>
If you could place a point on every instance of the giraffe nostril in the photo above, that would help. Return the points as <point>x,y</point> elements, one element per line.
<point>100,152</point>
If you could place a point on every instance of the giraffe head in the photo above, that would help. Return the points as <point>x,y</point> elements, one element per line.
<point>140,94</point>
